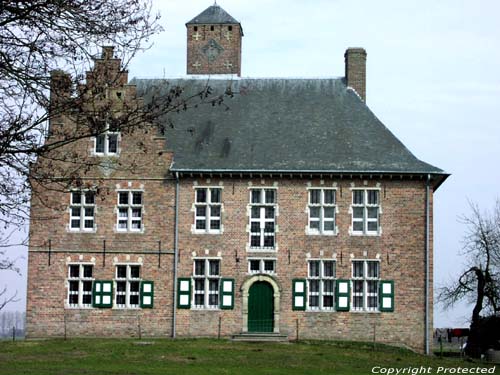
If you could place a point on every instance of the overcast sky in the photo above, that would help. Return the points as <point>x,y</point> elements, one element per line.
<point>433,78</point>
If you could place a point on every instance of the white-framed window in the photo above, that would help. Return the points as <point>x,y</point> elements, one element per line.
<point>208,207</point>
<point>365,285</point>
<point>129,211</point>
<point>263,218</point>
<point>321,284</point>
<point>82,210</point>
<point>80,277</point>
<point>106,143</point>
<point>321,208</point>
<point>365,211</point>
<point>127,286</point>
<point>206,279</point>
<point>261,265</point>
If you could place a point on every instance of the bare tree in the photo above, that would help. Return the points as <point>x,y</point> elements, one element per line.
<point>479,283</point>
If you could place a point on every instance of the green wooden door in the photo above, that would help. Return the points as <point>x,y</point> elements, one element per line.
<point>261,307</point>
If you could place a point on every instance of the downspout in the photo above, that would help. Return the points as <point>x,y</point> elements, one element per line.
<point>427,265</point>
<point>176,255</point>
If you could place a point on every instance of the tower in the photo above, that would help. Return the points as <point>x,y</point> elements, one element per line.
<point>214,43</point>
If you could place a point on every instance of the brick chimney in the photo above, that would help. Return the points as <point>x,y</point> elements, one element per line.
<point>355,70</point>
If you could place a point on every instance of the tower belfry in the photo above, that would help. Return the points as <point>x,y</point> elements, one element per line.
<point>214,43</point>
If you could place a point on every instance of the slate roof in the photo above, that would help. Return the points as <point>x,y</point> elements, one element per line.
<point>213,15</point>
<point>284,125</point>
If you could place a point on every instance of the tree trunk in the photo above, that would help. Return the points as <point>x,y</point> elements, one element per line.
<point>474,348</point>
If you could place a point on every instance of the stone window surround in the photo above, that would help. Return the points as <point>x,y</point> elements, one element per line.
<point>129,207</point>
<point>128,279</point>
<point>207,204</point>
<point>83,204</point>
<point>262,265</point>
<point>321,278</point>
<point>263,188</point>
<point>206,277</point>
<point>364,279</point>
<point>80,280</point>
<point>321,205</point>
<point>365,206</point>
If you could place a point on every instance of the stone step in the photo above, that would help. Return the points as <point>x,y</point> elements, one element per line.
<point>260,337</point>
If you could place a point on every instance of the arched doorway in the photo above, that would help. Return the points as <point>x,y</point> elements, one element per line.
<point>261,307</point>
<point>266,285</point>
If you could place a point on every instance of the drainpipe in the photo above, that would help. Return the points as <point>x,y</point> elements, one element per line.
<point>427,265</point>
<point>176,255</point>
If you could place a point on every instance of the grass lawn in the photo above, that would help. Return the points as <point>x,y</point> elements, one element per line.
<point>205,356</point>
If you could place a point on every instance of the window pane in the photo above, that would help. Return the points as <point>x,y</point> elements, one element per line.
<point>201,195</point>
<point>269,212</point>
<point>372,212</point>
<point>75,223</point>
<point>270,196</point>
<point>269,265</point>
<point>255,212</point>
<point>201,224</point>
<point>328,286</point>
<point>269,241</point>
<point>358,286</point>
<point>89,211</point>
<point>123,197</point>
<point>136,224</point>
<point>314,268</point>
<point>255,241</point>
<point>357,269</point>
<point>358,196</point>
<point>329,196</point>
<point>121,272</point>
<point>135,271</point>
<point>314,225</point>
<point>313,301</point>
<point>215,224</point>
<point>136,197</point>
<point>87,299</point>
<point>357,302</point>
<point>213,285</point>
<point>329,212</point>
<point>75,211</point>
<point>73,286</point>
<point>314,212</point>
<point>372,302</point>
<point>256,196</point>
<point>123,212</point>
<point>99,143</point>
<point>134,299</point>
<point>120,299</point>
<point>113,143</point>
<point>269,228</point>
<point>215,211</point>
<point>314,286</point>
<point>89,197</point>
<point>373,226</point>
<point>136,212</point>
<point>358,212</point>
<point>373,269</point>
<point>213,299</point>
<point>373,196</point>
<point>122,224</point>
<point>371,287</point>
<point>199,285</point>
<point>87,286</point>
<point>327,301</point>
<point>328,269</point>
<point>254,265</point>
<point>215,195</point>
<point>121,286</point>
<point>76,197</point>
<point>198,299</point>
<point>74,270</point>
<point>214,267</point>
<point>201,210</point>
<point>358,226</point>
<point>329,226</point>
<point>199,267</point>
<point>255,227</point>
<point>87,271</point>
<point>73,299</point>
<point>315,196</point>
<point>88,224</point>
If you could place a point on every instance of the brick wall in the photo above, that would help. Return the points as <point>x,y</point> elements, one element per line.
<point>229,42</point>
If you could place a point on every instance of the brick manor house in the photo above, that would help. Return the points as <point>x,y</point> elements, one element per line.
<point>291,211</point>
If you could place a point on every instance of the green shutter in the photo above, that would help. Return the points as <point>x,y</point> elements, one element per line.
<point>299,294</point>
<point>147,294</point>
<point>227,294</point>
<point>102,294</point>
<point>343,295</point>
<point>386,296</point>
<point>183,293</point>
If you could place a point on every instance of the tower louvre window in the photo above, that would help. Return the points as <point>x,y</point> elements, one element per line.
<point>230,28</point>
<point>195,28</point>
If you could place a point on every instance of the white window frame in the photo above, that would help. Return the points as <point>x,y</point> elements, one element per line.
<point>130,207</point>
<point>128,279</point>
<point>82,206</point>
<point>365,220</point>
<point>262,220</point>
<point>81,279</point>
<point>322,206</point>
<point>262,264</point>
<point>365,279</point>
<point>107,134</point>
<point>206,277</point>
<point>208,205</point>
<point>322,278</point>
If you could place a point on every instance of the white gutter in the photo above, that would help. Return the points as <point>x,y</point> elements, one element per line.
<point>176,255</point>
<point>427,257</point>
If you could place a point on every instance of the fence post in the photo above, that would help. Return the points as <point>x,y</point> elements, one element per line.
<point>374,334</point>
<point>14,333</point>
<point>219,328</point>
<point>139,326</point>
